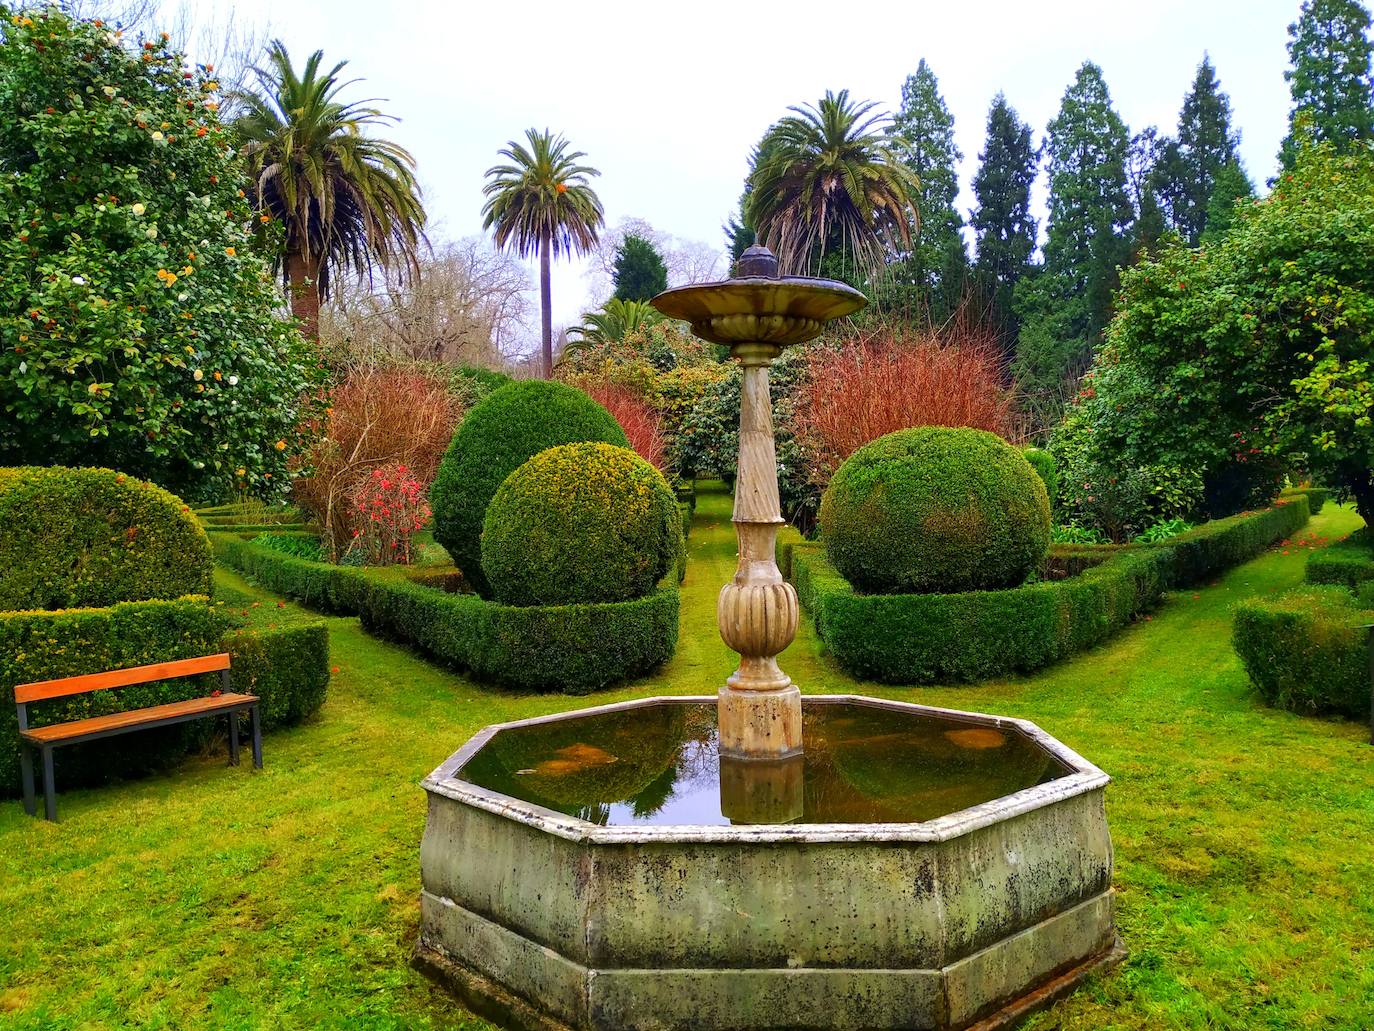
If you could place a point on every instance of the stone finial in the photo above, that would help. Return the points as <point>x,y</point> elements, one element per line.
<point>757,262</point>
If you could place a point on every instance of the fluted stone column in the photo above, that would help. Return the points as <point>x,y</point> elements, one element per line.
<point>760,707</point>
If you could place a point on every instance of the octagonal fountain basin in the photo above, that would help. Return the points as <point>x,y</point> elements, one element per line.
<point>914,868</point>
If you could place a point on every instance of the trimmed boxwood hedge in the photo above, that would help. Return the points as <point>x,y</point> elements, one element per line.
<point>1348,562</point>
<point>76,538</point>
<point>503,431</point>
<point>925,638</point>
<point>287,666</point>
<point>922,638</point>
<point>1305,650</point>
<point>1316,496</point>
<point>572,648</point>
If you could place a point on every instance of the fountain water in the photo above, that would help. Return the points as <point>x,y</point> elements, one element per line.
<point>674,863</point>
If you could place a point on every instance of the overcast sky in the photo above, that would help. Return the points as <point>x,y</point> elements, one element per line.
<point>667,99</point>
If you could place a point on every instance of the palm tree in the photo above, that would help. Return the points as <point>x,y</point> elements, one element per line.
<point>348,201</point>
<point>616,320</point>
<point>827,179</point>
<point>542,202</point>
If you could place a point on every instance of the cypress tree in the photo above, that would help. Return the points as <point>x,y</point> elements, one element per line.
<point>1206,143</point>
<point>639,270</point>
<point>1002,221</point>
<point>1232,185</point>
<point>923,137</point>
<point>1330,76</point>
<point>1065,307</point>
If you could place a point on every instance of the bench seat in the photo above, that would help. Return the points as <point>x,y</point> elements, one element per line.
<point>137,719</point>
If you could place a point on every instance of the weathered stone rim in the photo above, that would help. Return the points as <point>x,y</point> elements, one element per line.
<point>1083,777</point>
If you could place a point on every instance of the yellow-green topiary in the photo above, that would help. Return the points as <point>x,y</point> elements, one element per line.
<point>936,509</point>
<point>586,522</point>
<point>88,538</point>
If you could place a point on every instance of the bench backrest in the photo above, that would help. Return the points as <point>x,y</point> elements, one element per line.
<point>61,688</point>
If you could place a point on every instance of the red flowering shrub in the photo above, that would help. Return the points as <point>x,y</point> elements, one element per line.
<point>388,507</point>
<point>636,416</point>
<point>880,381</point>
<point>378,416</point>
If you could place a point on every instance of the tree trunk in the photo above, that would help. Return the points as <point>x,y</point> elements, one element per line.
<point>1362,490</point>
<point>303,286</point>
<point>546,303</point>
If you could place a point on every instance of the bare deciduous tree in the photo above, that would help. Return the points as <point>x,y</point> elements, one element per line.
<point>467,306</point>
<point>688,261</point>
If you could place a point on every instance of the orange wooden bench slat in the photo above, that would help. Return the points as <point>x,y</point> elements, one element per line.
<point>135,717</point>
<point>119,678</point>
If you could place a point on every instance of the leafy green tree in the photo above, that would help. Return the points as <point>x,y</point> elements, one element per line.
<point>542,202</point>
<point>1330,53</point>
<point>1189,164</point>
<point>639,270</point>
<point>1229,364</point>
<point>1002,222</point>
<point>1064,308</point>
<point>138,325</point>
<point>345,200</point>
<point>923,138</point>
<point>829,184</point>
<point>1232,186</point>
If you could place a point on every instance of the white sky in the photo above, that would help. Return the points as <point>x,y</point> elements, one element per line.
<point>668,99</point>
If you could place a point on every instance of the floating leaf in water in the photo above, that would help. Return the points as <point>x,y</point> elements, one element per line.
<point>977,737</point>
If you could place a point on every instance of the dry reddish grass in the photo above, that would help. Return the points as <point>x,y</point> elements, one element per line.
<point>887,379</point>
<point>378,416</point>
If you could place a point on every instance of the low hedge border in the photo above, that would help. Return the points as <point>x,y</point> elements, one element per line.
<point>570,648</point>
<point>287,666</point>
<point>1348,562</point>
<point>925,638</point>
<point>1305,649</point>
<point>1316,496</point>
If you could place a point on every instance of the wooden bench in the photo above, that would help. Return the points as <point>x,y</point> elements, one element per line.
<point>47,738</point>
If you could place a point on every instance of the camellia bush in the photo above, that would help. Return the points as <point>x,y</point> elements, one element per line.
<point>138,325</point>
<point>1228,365</point>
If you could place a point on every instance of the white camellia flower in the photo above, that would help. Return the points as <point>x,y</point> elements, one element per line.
<point>197,375</point>
<point>138,209</point>
<point>78,281</point>
<point>157,136</point>
<point>183,297</point>
<point>109,91</point>
<point>151,233</point>
<point>23,367</point>
<point>233,381</point>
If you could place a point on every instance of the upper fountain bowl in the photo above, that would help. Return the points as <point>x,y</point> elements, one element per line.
<point>759,306</point>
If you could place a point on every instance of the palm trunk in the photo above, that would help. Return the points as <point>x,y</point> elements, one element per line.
<point>303,281</point>
<point>546,302</point>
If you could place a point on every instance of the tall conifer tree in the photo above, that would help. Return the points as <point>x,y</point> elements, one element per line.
<point>1189,165</point>
<point>1065,307</point>
<point>923,138</point>
<point>1330,76</point>
<point>1002,222</point>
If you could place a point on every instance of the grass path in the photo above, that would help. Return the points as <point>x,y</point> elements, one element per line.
<point>218,898</point>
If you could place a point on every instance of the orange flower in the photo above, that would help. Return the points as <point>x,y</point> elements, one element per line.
<point>561,188</point>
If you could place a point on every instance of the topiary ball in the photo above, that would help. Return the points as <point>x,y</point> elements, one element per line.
<point>580,523</point>
<point>936,509</point>
<point>499,434</point>
<point>88,538</point>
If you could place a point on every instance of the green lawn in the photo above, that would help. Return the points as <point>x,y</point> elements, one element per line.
<point>288,898</point>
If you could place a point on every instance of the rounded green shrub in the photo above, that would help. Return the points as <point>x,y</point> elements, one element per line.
<point>580,523</point>
<point>499,434</point>
<point>935,509</point>
<point>88,538</point>
<point>1047,468</point>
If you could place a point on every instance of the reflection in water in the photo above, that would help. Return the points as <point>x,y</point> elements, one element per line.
<point>660,765</point>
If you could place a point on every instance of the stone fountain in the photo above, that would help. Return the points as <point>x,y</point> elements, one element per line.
<point>750,862</point>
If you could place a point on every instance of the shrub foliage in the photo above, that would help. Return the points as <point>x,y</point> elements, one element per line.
<point>936,510</point>
<point>76,538</point>
<point>138,321</point>
<point>580,523</point>
<point>502,432</point>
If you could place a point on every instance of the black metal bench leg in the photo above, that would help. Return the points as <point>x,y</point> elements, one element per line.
<point>233,738</point>
<point>257,739</point>
<point>26,772</point>
<point>49,786</point>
